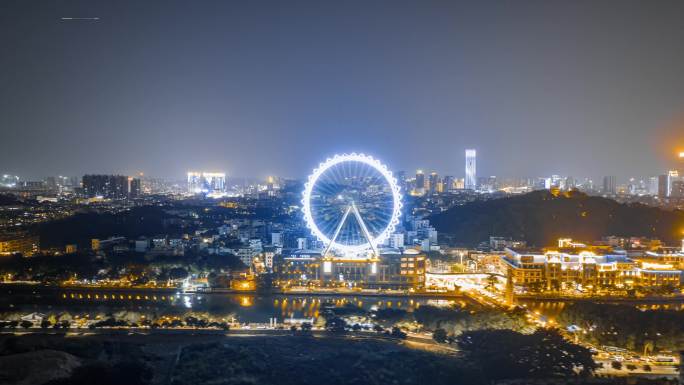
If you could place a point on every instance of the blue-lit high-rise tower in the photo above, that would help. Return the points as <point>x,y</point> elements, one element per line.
<point>470,170</point>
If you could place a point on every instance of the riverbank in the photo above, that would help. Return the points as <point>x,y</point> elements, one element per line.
<point>560,298</point>
<point>221,291</point>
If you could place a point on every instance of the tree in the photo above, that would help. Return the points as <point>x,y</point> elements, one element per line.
<point>178,273</point>
<point>491,282</point>
<point>398,333</point>
<point>440,335</point>
<point>391,315</point>
<point>336,325</point>
<point>191,321</point>
<point>622,325</point>
<point>265,283</point>
<point>506,354</point>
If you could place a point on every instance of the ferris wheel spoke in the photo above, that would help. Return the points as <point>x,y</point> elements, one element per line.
<point>325,188</point>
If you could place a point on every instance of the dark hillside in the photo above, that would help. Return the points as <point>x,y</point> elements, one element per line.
<point>540,218</point>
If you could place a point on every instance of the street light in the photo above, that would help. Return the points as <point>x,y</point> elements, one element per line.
<point>681,155</point>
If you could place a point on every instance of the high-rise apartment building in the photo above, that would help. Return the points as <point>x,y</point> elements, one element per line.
<point>111,186</point>
<point>609,185</point>
<point>433,180</point>
<point>672,178</point>
<point>470,169</point>
<point>133,187</point>
<point>677,190</point>
<point>420,182</point>
<point>653,185</point>
<point>447,183</point>
<point>662,186</point>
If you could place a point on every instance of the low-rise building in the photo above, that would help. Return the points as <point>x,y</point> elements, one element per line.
<point>580,269</point>
<point>394,269</point>
<point>22,243</point>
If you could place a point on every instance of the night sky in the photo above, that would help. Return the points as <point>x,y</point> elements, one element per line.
<point>581,88</point>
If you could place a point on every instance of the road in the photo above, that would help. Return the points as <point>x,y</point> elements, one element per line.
<point>657,371</point>
<point>411,337</point>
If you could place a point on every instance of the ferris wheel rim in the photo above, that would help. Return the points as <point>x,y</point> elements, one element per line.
<point>388,177</point>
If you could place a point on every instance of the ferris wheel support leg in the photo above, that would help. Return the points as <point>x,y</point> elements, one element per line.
<point>337,231</point>
<point>364,229</point>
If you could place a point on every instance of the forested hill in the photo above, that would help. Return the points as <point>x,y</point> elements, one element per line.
<point>540,218</point>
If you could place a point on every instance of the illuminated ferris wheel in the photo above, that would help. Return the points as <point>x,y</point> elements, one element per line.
<point>351,203</point>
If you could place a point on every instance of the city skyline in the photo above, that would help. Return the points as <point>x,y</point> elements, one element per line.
<point>241,92</point>
<point>470,160</point>
<point>452,192</point>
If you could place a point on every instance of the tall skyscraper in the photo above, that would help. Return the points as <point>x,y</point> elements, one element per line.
<point>433,180</point>
<point>672,177</point>
<point>609,185</point>
<point>653,185</point>
<point>420,179</point>
<point>420,182</point>
<point>447,183</point>
<point>662,186</point>
<point>133,187</point>
<point>470,169</point>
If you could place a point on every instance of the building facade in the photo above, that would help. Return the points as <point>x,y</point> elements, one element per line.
<point>586,270</point>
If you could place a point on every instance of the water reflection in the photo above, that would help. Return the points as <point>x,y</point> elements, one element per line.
<point>243,307</point>
<point>552,308</point>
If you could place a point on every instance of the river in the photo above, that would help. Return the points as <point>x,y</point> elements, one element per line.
<point>246,308</point>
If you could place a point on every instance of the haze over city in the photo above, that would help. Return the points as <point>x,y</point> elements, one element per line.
<point>576,88</point>
<point>304,192</point>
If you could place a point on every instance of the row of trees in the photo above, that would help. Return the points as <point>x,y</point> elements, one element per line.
<point>506,354</point>
<point>193,322</point>
<point>626,326</point>
<point>453,320</point>
<point>27,324</point>
<point>136,267</point>
<point>337,324</point>
<point>110,322</point>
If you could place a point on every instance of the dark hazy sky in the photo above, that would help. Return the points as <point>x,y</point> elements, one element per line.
<point>258,87</point>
